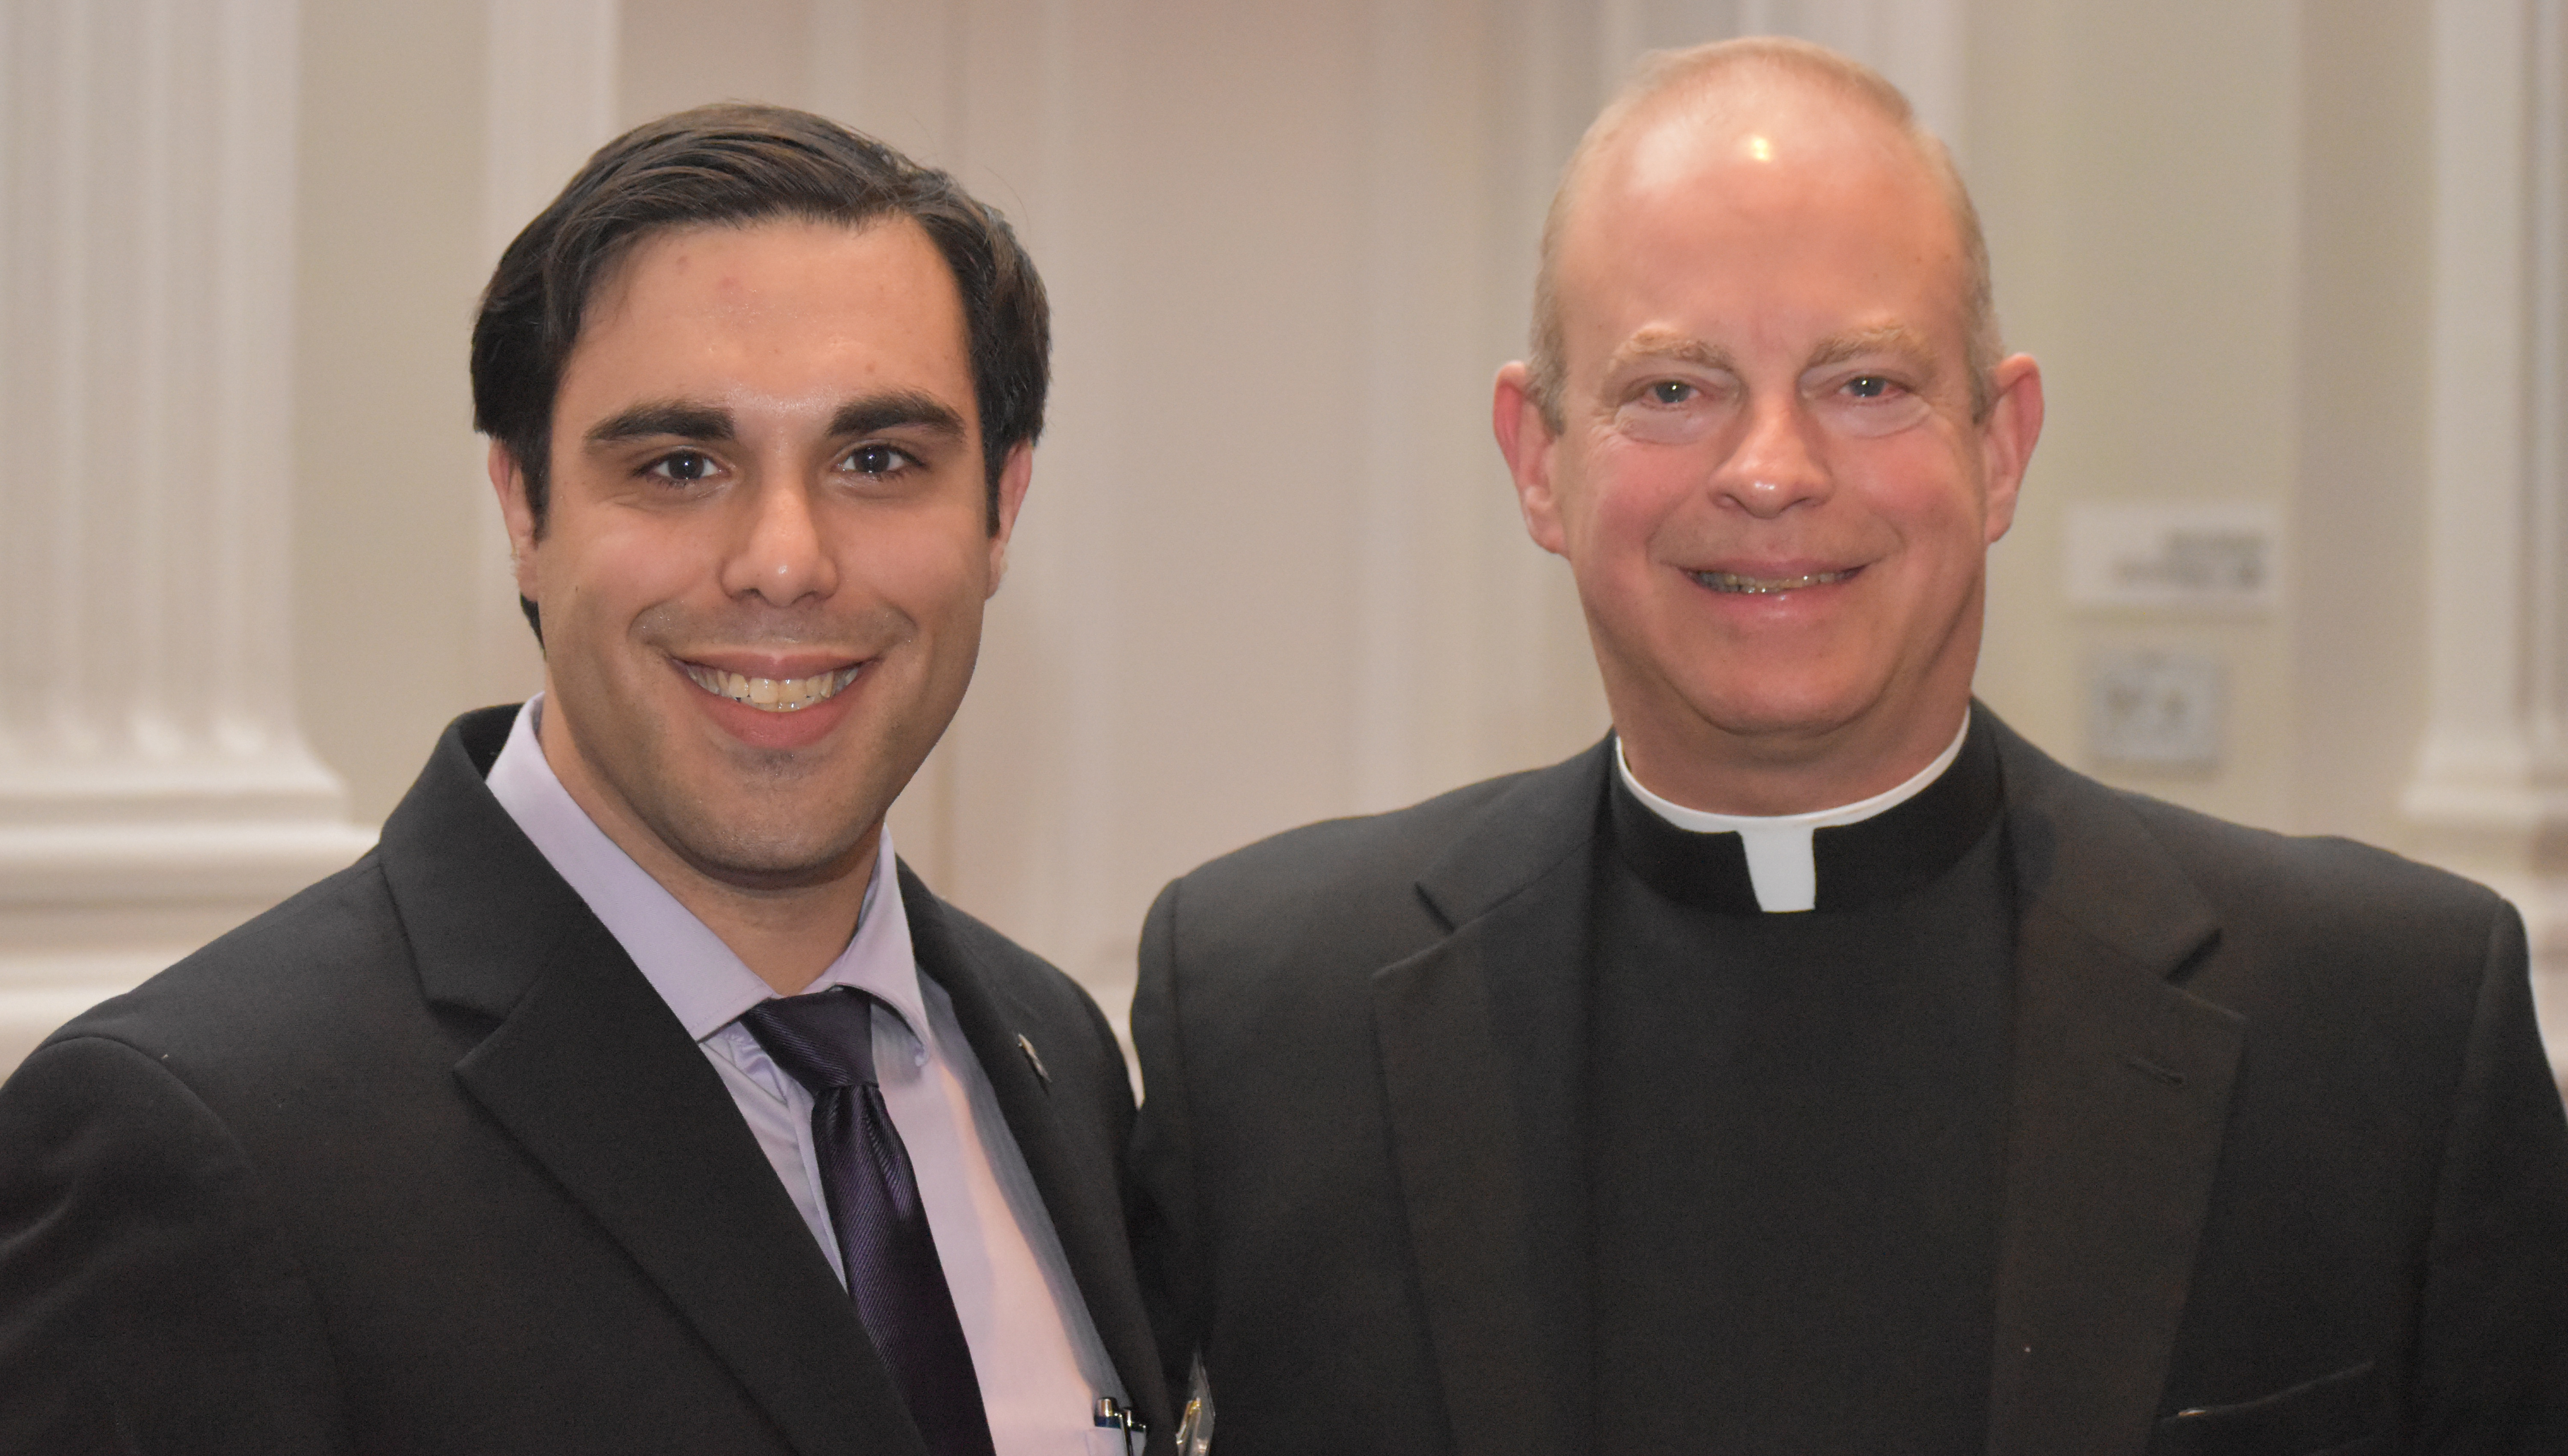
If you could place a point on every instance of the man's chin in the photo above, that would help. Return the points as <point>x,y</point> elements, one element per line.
<point>771,858</point>
<point>1784,713</point>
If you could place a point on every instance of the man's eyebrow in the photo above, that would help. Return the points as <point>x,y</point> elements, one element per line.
<point>898,409</point>
<point>663,417</point>
<point>1669,345</point>
<point>1896,339</point>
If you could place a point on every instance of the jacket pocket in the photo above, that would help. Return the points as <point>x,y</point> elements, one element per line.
<point>2329,1416</point>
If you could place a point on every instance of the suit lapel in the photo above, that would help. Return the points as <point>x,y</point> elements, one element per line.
<point>1481,1039</point>
<point>2122,1087</point>
<point>1076,1174</point>
<point>593,1077</point>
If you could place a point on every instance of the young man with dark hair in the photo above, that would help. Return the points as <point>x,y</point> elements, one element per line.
<point>631,1096</point>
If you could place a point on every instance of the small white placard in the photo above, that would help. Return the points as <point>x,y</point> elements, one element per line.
<point>2223,555</point>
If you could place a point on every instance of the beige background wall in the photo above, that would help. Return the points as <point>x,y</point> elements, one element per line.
<point>2139,181</point>
<point>1271,569</point>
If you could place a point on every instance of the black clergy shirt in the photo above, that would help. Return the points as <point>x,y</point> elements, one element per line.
<point>1796,1134</point>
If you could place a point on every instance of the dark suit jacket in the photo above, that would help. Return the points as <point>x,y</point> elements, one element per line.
<point>2287,1171</point>
<point>417,1162</point>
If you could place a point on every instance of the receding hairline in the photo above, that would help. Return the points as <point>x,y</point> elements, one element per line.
<point>1698,77</point>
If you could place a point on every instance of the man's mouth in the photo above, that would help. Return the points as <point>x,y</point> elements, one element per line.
<point>771,695</point>
<point>1732,581</point>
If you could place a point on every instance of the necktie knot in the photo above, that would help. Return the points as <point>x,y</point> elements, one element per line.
<point>824,1040</point>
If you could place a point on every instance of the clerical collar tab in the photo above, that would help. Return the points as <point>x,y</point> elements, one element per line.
<point>1827,859</point>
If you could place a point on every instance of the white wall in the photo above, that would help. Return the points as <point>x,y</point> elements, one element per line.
<point>2138,188</point>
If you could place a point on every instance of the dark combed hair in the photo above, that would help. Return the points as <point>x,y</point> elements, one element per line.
<point>737,163</point>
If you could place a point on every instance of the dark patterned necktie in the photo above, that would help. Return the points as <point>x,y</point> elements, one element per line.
<point>824,1040</point>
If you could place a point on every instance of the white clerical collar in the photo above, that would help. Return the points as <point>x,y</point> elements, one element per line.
<point>1780,863</point>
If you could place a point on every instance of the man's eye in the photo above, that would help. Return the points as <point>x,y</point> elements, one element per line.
<point>685,466</point>
<point>1670,392</point>
<point>876,460</point>
<point>1870,387</point>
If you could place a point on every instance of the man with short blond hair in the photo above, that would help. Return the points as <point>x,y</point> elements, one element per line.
<point>1814,1065</point>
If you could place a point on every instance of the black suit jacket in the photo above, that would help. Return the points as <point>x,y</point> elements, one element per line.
<point>2287,1172</point>
<point>418,1162</point>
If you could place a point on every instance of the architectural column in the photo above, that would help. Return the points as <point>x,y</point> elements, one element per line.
<point>153,786</point>
<point>2489,791</point>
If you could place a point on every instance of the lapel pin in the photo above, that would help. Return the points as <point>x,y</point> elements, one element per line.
<point>1027,1047</point>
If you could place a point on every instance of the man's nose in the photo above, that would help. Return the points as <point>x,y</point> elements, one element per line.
<point>1776,464</point>
<point>782,554</point>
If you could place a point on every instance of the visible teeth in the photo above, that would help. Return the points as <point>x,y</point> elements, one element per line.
<point>1731,581</point>
<point>775,694</point>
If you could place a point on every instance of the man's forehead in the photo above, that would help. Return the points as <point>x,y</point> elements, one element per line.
<point>776,317</point>
<point>1760,182</point>
<point>1682,141</point>
<point>682,255</point>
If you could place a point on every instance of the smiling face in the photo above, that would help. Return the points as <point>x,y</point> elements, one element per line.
<point>765,550</point>
<point>1767,477</point>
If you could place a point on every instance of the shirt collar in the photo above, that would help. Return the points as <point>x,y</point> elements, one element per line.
<point>1781,863</point>
<point>704,982</point>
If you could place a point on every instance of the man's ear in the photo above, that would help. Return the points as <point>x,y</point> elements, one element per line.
<point>1014,477</point>
<point>520,514</point>
<point>2007,437</point>
<point>1526,440</point>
